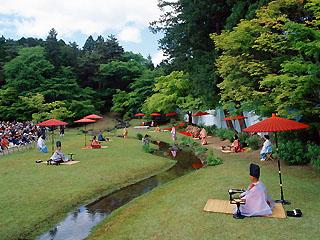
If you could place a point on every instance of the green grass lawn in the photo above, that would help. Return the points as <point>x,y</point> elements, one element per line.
<point>35,197</point>
<point>175,210</point>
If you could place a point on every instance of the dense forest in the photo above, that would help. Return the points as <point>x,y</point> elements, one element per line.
<point>240,55</point>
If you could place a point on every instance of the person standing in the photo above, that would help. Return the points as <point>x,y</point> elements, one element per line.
<point>203,136</point>
<point>174,133</point>
<point>125,132</point>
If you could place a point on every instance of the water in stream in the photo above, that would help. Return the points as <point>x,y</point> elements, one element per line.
<point>78,224</point>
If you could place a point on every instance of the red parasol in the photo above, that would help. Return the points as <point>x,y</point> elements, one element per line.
<point>155,114</point>
<point>52,123</point>
<point>276,124</point>
<point>93,116</point>
<point>171,114</point>
<point>198,114</point>
<point>85,121</point>
<point>139,115</point>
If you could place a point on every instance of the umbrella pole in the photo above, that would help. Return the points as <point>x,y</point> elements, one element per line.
<point>85,134</point>
<point>285,202</point>
<point>52,148</point>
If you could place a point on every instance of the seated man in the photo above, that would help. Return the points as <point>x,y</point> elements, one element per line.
<point>234,147</point>
<point>257,201</point>
<point>100,137</point>
<point>58,157</point>
<point>157,129</point>
<point>266,148</point>
<point>95,143</point>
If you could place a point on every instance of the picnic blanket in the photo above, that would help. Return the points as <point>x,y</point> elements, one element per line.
<point>224,206</point>
<point>64,163</point>
<point>89,147</point>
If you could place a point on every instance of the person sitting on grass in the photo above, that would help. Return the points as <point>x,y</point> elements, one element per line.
<point>234,147</point>
<point>41,144</point>
<point>100,137</point>
<point>95,143</point>
<point>57,157</point>
<point>257,200</point>
<point>157,129</point>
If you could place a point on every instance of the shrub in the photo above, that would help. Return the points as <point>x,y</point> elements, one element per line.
<point>200,150</point>
<point>213,160</point>
<point>224,134</point>
<point>147,148</point>
<point>139,136</point>
<point>293,152</point>
<point>243,136</point>
<point>188,142</point>
<point>313,155</point>
<point>254,142</point>
<point>211,129</point>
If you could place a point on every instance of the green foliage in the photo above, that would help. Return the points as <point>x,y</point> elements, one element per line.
<point>225,133</point>
<point>28,70</point>
<point>139,136</point>
<point>200,150</point>
<point>212,159</point>
<point>271,63</point>
<point>188,142</point>
<point>243,137</point>
<point>313,155</point>
<point>171,92</point>
<point>293,152</point>
<point>254,142</point>
<point>147,148</point>
<point>211,129</point>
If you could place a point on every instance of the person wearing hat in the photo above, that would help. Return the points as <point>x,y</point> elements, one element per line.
<point>257,200</point>
<point>58,157</point>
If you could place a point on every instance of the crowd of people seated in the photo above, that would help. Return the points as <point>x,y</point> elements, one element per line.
<point>15,133</point>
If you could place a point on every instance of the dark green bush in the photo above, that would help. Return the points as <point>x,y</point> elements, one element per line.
<point>254,142</point>
<point>313,155</point>
<point>243,136</point>
<point>211,129</point>
<point>293,152</point>
<point>213,160</point>
<point>224,134</point>
<point>139,136</point>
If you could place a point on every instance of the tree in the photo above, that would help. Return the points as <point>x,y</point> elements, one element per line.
<point>172,92</point>
<point>28,70</point>
<point>271,63</point>
<point>52,48</point>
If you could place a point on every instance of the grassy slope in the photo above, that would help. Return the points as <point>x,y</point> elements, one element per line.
<point>34,197</point>
<point>174,210</point>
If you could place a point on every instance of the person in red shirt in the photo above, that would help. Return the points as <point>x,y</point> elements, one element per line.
<point>95,143</point>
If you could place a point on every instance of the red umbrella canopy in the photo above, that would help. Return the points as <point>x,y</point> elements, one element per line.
<point>171,114</point>
<point>51,123</point>
<point>93,116</point>
<point>139,115</point>
<point>275,124</point>
<point>85,120</point>
<point>155,114</point>
<point>198,114</point>
<point>234,117</point>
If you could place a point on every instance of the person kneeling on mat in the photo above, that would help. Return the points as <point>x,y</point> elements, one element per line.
<point>257,200</point>
<point>57,157</point>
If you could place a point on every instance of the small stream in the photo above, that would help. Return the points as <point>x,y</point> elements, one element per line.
<point>78,224</point>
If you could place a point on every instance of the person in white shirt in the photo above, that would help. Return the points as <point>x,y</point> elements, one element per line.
<point>266,148</point>
<point>41,144</point>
